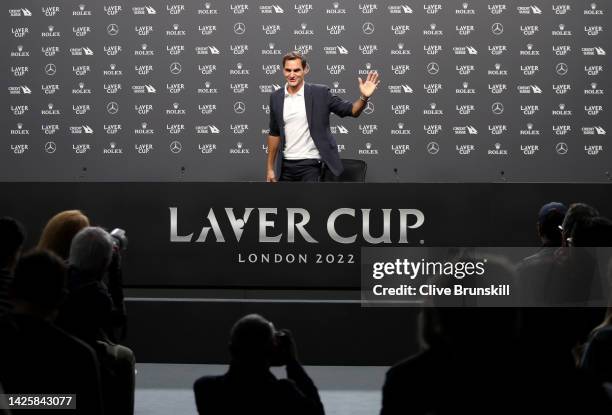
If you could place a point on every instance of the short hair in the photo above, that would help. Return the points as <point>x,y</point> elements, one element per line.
<point>59,231</point>
<point>12,236</point>
<point>251,338</point>
<point>91,251</point>
<point>293,56</point>
<point>40,279</point>
<point>577,212</point>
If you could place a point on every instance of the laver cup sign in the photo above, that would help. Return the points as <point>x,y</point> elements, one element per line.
<point>486,277</point>
<point>161,90</point>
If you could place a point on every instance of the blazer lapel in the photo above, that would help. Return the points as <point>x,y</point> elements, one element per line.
<point>281,108</point>
<point>308,101</point>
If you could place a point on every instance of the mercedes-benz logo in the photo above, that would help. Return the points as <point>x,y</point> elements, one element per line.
<point>239,28</point>
<point>50,69</point>
<point>561,148</point>
<point>433,68</point>
<point>497,108</point>
<point>239,107</point>
<point>368,28</point>
<point>561,68</point>
<point>497,28</point>
<point>176,147</point>
<point>112,29</point>
<point>433,148</point>
<point>112,107</point>
<point>369,108</point>
<point>175,68</point>
<point>50,147</point>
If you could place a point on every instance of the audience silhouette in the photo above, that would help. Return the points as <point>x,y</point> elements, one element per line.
<point>12,236</point>
<point>249,386</point>
<point>35,355</point>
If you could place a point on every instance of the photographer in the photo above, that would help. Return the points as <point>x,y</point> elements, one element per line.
<point>249,386</point>
<point>94,309</point>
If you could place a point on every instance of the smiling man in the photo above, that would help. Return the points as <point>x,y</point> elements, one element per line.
<point>300,143</point>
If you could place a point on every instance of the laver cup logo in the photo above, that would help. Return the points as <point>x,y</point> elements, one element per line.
<point>228,226</point>
<point>152,63</point>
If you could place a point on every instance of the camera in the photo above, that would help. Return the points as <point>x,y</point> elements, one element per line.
<point>282,348</point>
<point>120,241</point>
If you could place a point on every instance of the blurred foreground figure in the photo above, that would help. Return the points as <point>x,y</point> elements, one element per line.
<point>249,387</point>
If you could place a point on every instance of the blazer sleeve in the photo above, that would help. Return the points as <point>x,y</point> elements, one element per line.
<point>339,106</point>
<point>274,127</point>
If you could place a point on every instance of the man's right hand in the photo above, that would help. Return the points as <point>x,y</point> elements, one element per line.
<point>271,177</point>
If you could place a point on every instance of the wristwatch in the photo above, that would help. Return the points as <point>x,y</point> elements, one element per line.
<point>364,98</point>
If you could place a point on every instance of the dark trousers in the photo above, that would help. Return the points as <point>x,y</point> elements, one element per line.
<point>306,170</point>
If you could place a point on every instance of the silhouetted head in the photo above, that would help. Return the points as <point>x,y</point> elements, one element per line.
<point>59,231</point>
<point>39,286</point>
<point>91,251</point>
<point>252,341</point>
<point>595,231</point>
<point>12,235</point>
<point>576,212</point>
<point>550,217</point>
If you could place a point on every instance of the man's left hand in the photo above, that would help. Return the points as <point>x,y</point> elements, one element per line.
<point>368,86</point>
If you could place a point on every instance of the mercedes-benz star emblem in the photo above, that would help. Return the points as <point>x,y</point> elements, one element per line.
<point>561,148</point>
<point>239,28</point>
<point>497,108</point>
<point>175,68</point>
<point>561,68</point>
<point>112,29</point>
<point>433,148</point>
<point>239,107</point>
<point>176,147</point>
<point>50,147</point>
<point>112,107</point>
<point>369,108</point>
<point>497,28</point>
<point>368,28</point>
<point>50,69</point>
<point>433,68</point>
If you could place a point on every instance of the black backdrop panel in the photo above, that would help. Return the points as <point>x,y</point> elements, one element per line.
<point>455,215</point>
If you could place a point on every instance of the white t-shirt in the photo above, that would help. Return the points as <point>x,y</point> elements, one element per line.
<point>298,141</point>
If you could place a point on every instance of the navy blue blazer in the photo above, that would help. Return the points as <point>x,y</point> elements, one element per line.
<point>320,102</point>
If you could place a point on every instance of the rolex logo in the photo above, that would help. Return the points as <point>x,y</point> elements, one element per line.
<point>497,146</point>
<point>239,65</point>
<point>529,46</point>
<point>113,144</point>
<point>175,26</point>
<point>81,85</point>
<point>561,26</point>
<point>465,84</point>
<point>271,45</point>
<point>530,126</point>
<point>335,4</point>
<point>50,105</point>
<point>368,145</point>
<point>239,144</point>
<point>400,46</point>
<point>432,105</point>
<point>207,5</point>
<point>497,66</point>
<point>464,5</point>
<point>593,6</point>
<point>144,46</point>
<point>562,106</point>
<point>20,48</point>
<point>143,125</point>
<point>432,26</point>
<point>400,125</point>
<point>207,84</point>
<point>336,84</point>
<point>368,65</point>
<point>113,66</point>
<point>175,105</point>
<point>593,85</point>
<point>303,26</point>
<point>51,28</point>
<point>81,7</point>
<point>19,125</point>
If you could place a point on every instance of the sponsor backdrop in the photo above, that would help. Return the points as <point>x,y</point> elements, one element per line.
<point>163,90</point>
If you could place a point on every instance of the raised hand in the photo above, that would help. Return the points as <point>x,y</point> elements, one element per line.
<point>367,87</point>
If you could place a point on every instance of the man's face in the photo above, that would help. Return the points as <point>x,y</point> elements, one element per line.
<point>294,73</point>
